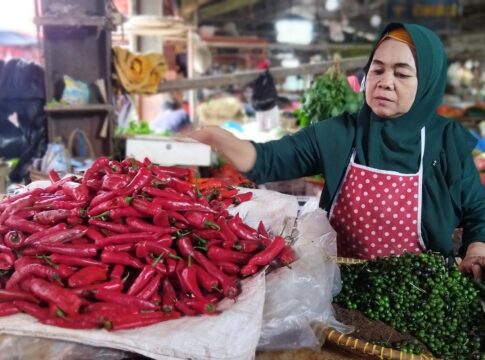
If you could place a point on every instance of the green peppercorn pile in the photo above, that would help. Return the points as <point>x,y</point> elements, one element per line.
<point>421,295</point>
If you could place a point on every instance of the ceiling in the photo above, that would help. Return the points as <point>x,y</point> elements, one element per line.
<point>348,25</point>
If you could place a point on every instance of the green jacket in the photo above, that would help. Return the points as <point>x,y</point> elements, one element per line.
<point>453,195</point>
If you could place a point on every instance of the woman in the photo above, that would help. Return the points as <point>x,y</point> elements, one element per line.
<point>398,176</point>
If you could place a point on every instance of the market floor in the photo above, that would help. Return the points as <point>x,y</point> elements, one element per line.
<point>328,352</point>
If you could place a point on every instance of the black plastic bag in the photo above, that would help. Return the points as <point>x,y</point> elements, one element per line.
<point>22,92</point>
<point>264,96</point>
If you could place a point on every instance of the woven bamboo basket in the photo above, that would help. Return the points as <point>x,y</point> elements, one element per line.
<point>362,346</point>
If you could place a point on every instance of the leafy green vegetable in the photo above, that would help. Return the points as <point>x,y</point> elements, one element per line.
<point>330,95</point>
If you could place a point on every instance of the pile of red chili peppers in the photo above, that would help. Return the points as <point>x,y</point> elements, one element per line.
<point>129,244</point>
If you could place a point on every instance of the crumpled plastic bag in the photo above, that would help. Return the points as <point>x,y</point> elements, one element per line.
<point>299,298</point>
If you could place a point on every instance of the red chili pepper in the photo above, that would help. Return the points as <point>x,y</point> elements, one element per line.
<point>116,167</point>
<point>188,281</point>
<point>26,214</point>
<point>206,280</point>
<point>156,299</point>
<point>209,234</point>
<point>52,217</point>
<point>114,285</point>
<point>65,271</point>
<point>242,197</point>
<point>227,192</point>
<point>224,255</point>
<point>265,256</point>
<point>113,203</point>
<point>243,232</point>
<point>144,319</point>
<point>72,260</point>
<point>214,297</point>
<point>26,260</point>
<point>131,164</point>
<point>61,204</point>
<point>14,239</point>
<point>262,230</point>
<point>141,280</point>
<point>88,275</point>
<point>114,227</point>
<point>39,235</point>
<point>144,248</point>
<point>94,235</point>
<point>7,309</point>
<point>122,247</point>
<point>102,197</point>
<point>76,191</point>
<point>146,207</point>
<point>12,295</point>
<point>179,205</point>
<point>123,299</point>
<point>166,193</point>
<point>185,247</point>
<point>141,179</point>
<point>228,287</point>
<point>201,306</point>
<point>228,268</point>
<point>16,206</point>
<point>201,220</point>
<point>140,225</point>
<point>7,260</point>
<point>171,171</point>
<point>74,220</point>
<point>228,236</point>
<point>181,306</point>
<point>53,176</point>
<point>38,270</point>
<point>104,308</point>
<point>168,296</point>
<point>77,322</point>
<point>156,263</point>
<point>248,246</point>
<point>61,236</point>
<point>94,184</point>
<point>115,181</point>
<point>117,271</point>
<point>174,217</point>
<point>95,167</point>
<point>286,256</point>
<point>118,213</point>
<point>111,257</point>
<point>32,309</point>
<point>126,238</point>
<point>151,288</point>
<point>23,225</point>
<point>65,299</point>
<point>161,219</point>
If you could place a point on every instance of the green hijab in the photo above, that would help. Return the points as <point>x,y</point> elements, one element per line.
<point>395,144</point>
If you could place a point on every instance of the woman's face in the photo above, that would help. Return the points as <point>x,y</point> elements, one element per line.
<point>392,81</point>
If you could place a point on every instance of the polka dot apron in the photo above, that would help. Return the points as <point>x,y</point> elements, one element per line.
<point>378,212</point>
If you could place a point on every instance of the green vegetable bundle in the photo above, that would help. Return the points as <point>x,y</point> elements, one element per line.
<point>421,295</point>
<point>330,95</point>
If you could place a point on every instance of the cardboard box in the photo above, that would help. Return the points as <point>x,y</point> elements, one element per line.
<point>169,151</point>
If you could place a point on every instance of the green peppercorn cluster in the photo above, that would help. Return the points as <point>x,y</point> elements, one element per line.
<point>422,295</point>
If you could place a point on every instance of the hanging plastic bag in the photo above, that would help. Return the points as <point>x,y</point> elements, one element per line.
<point>75,92</point>
<point>56,158</point>
<point>300,297</point>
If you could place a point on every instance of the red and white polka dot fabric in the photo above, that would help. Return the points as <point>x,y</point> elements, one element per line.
<point>377,213</point>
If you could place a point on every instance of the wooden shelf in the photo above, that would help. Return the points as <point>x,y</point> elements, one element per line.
<point>80,20</point>
<point>78,108</point>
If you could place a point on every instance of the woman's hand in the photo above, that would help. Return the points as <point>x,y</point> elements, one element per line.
<point>474,261</point>
<point>241,153</point>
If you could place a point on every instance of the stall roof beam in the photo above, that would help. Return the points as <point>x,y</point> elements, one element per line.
<point>243,78</point>
<point>224,7</point>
